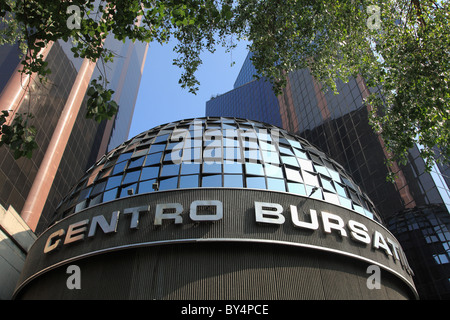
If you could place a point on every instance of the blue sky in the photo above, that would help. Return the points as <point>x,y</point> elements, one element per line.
<point>161,99</point>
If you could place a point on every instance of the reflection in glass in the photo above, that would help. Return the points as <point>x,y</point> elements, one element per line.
<point>168,184</point>
<point>146,186</point>
<point>212,167</point>
<point>131,177</point>
<point>254,168</point>
<point>190,168</point>
<point>233,181</point>
<point>212,181</point>
<point>189,181</point>
<point>256,182</point>
<point>276,184</point>
<point>170,170</point>
<point>149,173</point>
<point>110,195</point>
<point>113,182</point>
<point>298,188</point>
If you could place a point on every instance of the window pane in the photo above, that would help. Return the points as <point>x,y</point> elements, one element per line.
<point>157,148</point>
<point>297,188</point>
<point>212,181</point>
<point>110,195</point>
<point>254,168</point>
<point>310,178</point>
<point>136,162</point>
<point>190,168</point>
<point>290,160</point>
<point>189,181</point>
<point>212,167</point>
<point>131,177</point>
<point>274,171</point>
<point>146,186</point>
<point>293,175</point>
<point>256,182</point>
<point>232,154</point>
<point>113,182</point>
<point>232,167</point>
<point>235,181</point>
<point>119,167</point>
<point>168,184</point>
<point>276,184</point>
<point>124,192</point>
<point>149,173</point>
<point>153,159</point>
<point>170,170</point>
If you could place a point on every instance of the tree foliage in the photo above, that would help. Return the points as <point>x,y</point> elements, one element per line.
<point>400,48</point>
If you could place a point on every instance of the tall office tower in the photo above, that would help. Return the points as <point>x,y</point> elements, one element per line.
<point>338,125</point>
<point>68,143</point>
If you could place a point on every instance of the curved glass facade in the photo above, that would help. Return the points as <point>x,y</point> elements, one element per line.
<point>216,152</point>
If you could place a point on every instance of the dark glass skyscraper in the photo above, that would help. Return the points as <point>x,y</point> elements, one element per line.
<point>59,109</point>
<point>338,125</point>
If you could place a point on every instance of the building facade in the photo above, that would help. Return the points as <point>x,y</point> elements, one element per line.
<point>338,125</point>
<point>216,208</point>
<point>52,103</point>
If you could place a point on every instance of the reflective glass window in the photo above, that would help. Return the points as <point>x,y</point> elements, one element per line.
<point>190,168</point>
<point>110,195</point>
<point>146,186</point>
<point>119,167</point>
<point>300,154</point>
<point>128,190</point>
<point>149,173</point>
<point>132,176</point>
<point>298,188</point>
<point>276,184</point>
<point>124,156</point>
<point>232,167</point>
<point>170,170</point>
<point>154,158</point>
<point>327,184</point>
<point>273,171</point>
<point>306,165</point>
<point>331,197</point>
<point>212,167</point>
<point>314,192</point>
<point>136,162</point>
<point>232,154</point>
<point>256,182</point>
<point>233,181</point>
<point>252,154</point>
<point>168,184</point>
<point>310,178</point>
<point>157,148</point>
<point>254,169</point>
<point>98,187</point>
<point>189,181</point>
<point>285,150</point>
<point>113,182</point>
<point>292,161</point>
<point>293,175</point>
<point>270,157</point>
<point>212,181</point>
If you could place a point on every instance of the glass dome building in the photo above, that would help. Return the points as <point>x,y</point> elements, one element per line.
<point>214,153</point>
<point>217,208</point>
